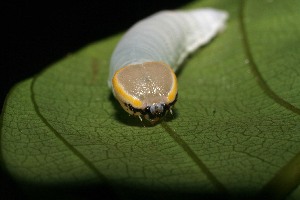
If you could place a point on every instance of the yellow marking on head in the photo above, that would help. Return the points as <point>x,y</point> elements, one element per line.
<point>173,91</point>
<point>122,95</point>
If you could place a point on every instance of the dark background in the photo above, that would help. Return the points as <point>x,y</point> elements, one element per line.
<point>40,33</point>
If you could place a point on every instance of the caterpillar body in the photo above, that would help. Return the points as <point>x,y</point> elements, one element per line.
<point>144,61</point>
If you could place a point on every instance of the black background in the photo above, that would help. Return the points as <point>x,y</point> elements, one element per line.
<point>40,33</point>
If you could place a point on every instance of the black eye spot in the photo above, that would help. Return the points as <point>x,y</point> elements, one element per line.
<point>157,108</point>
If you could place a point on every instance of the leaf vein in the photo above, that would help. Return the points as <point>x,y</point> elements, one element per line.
<point>288,177</point>
<point>218,185</point>
<point>254,68</point>
<point>88,163</point>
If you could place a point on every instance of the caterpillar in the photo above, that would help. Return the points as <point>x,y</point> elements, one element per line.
<point>143,63</point>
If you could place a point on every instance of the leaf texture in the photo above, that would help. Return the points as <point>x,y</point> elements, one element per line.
<point>235,130</point>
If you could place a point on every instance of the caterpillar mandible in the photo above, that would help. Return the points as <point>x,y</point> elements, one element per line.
<point>144,61</point>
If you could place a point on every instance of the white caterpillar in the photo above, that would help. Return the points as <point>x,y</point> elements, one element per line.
<point>141,68</point>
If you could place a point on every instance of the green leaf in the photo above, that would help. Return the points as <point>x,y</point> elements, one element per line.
<point>235,131</point>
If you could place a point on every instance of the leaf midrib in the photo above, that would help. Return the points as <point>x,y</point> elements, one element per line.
<point>218,185</point>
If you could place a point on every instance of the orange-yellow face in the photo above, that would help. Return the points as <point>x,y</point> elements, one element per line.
<point>148,89</point>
